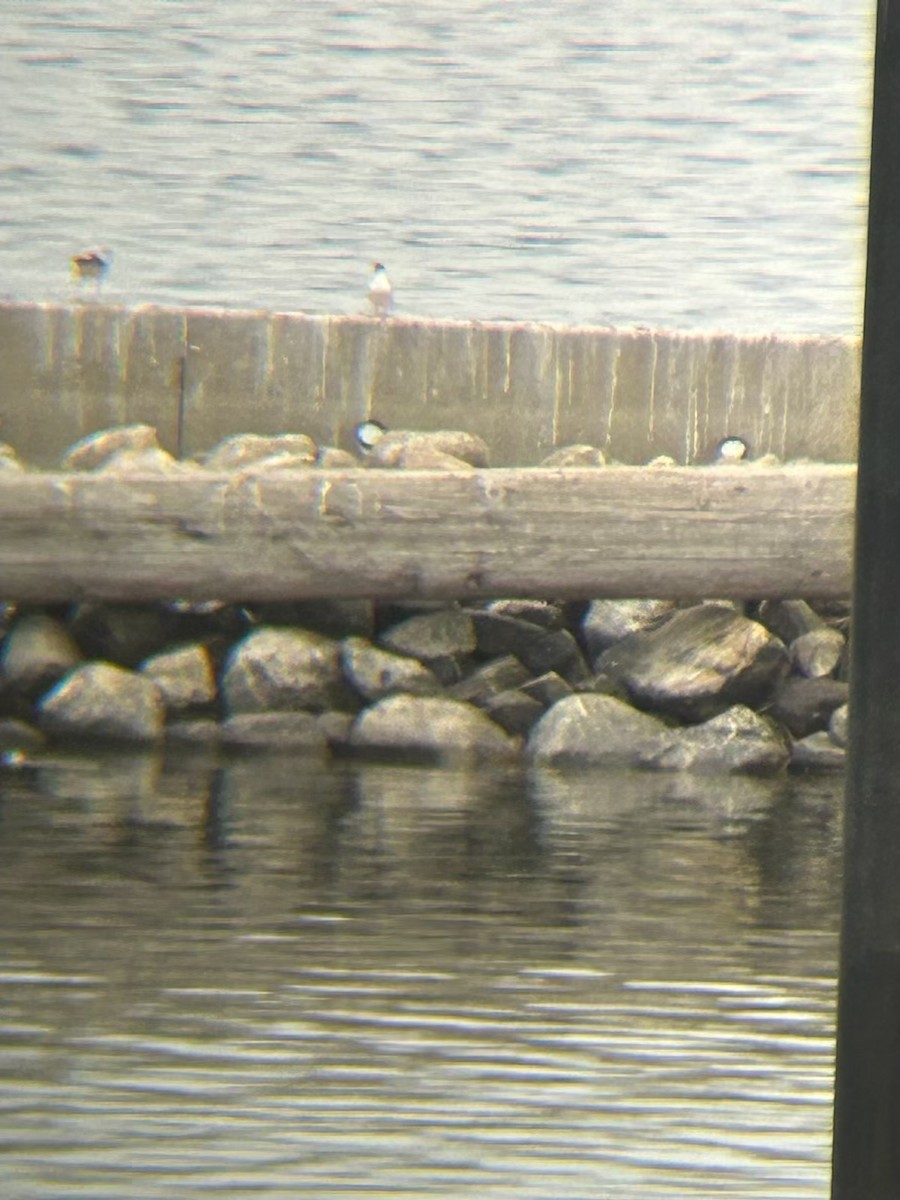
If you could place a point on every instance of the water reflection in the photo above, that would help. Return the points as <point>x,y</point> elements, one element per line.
<point>274,977</point>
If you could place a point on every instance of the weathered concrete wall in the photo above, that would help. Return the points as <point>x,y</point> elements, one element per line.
<point>199,374</point>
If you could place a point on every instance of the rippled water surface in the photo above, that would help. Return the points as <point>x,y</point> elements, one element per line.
<point>278,980</point>
<point>690,165</point>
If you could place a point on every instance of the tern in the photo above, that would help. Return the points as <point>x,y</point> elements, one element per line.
<point>92,266</point>
<point>381,294</point>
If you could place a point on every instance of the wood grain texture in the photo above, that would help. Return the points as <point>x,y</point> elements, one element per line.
<point>581,533</point>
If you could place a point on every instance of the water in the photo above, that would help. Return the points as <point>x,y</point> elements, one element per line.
<point>682,165</point>
<point>279,980</point>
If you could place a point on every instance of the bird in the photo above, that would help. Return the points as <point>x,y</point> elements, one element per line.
<point>92,266</point>
<point>381,294</point>
<point>368,433</point>
<point>731,449</point>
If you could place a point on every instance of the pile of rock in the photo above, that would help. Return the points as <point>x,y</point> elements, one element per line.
<point>713,687</point>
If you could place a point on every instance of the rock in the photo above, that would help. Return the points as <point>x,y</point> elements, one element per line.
<point>241,449</point>
<point>817,752</point>
<point>335,618</point>
<point>376,673</point>
<point>122,633</point>
<point>331,458</point>
<point>95,449</point>
<point>19,737</point>
<point>152,461</point>
<point>789,619</point>
<point>336,727</point>
<point>99,700</point>
<point>430,727</point>
<point>578,455</point>
<point>285,670</point>
<point>805,705</point>
<point>514,711</point>
<point>496,676</point>
<point>700,662</point>
<point>426,458</point>
<point>395,443</point>
<point>736,740</point>
<point>443,640</point>
<point>184,676</point>
<point>275,731</point>
<point>9,460</point>
<point>539,612</point>
<point>37,652</point>
<point>595,730</point>
<point>837,725</point>
<point>540,650</point>
<point>546,688</point>
<point>818,652</point>
<point>195,731</point>
<point>278,462</point>
<point>608,621</point>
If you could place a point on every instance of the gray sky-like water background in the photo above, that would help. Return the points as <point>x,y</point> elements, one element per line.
<point>685,165</point>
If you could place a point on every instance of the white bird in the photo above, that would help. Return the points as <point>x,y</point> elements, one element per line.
<point>731,449</point>
<point>381,294</point>
<point>368,434</point>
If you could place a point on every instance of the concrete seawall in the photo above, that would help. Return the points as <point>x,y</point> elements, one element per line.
<point>198,375</point>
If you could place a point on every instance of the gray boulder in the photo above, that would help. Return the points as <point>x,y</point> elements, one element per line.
<point>789,619</point>
<point>804,706</point>
<point>376,673</point>
<point>514,711</point>
<point>151,461</point>
<point>430,727</point>
<point>817,752</point>
<point>426,458</point>
<point>332,458</point>
<point>699,663</point>
<point>19,737</point>
<point>837,725</point>
<point>443,640</point>
<point>334,618</point>
<point>546,688</point>
<point>122,633</point>
<point>539,649</point>
<point>95,449</point>
<point>576,455</point>
<point>275,731</point>
<point>490,680</point>
<point>99,700</point>
<point>608,621</point>
<point>285,670</point>
<point>397,444</point>
<point>37,652</point>
<point>9,460</point>
<point>545,613</point>
<point>184,676</point>
<point>243,449</point>
<point>736,740</point>
<point>595,730</point>
<point>205,732</point>
<point>818,652</point>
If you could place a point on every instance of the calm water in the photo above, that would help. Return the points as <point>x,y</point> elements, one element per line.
<point>282,981</point>
<point>690,165</point>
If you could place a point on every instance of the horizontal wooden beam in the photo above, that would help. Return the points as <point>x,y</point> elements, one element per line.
<point>679,532</point>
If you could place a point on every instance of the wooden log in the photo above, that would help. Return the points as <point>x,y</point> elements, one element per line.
<point>614,531</point>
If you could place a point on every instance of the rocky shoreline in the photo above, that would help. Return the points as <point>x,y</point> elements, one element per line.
<point>718,686</point>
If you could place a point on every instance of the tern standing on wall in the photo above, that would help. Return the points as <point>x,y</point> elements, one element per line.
<point>91,266</point>
<point>381,294</point>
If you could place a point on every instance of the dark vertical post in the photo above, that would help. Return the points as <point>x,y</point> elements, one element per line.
<point>866,1164</point>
